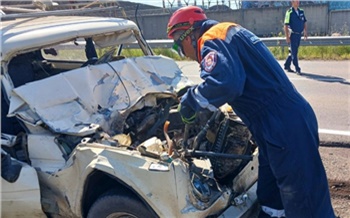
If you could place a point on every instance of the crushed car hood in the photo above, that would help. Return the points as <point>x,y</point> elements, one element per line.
<point>79,101</point>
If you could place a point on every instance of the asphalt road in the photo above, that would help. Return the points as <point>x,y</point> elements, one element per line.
<point>326,85</point>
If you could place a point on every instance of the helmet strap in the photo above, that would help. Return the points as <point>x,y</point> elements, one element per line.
<point>189,32</point>
<point>194,44</point>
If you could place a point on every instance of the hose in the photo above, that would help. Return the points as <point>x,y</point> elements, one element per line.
<point>204,131</point>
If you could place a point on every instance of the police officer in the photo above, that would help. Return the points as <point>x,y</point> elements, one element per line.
<point>238,69</point>
<point>294,27</point>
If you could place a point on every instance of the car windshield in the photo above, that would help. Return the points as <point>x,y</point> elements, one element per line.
<point>69,51</point>
<point>81,50</point>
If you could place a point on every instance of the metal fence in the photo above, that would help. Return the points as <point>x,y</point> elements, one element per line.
<point>269,42</point>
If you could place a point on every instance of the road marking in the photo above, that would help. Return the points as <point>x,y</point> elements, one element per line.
<point>331,80</point>
<point>334,132</point>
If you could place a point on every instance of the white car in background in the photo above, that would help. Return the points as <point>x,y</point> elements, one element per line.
<point>90,131</point>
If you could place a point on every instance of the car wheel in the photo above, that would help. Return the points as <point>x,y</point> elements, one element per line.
<point>113,205</point>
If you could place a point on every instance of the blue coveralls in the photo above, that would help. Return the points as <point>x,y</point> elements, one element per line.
<point>237,68</point>
<point>295,21</point>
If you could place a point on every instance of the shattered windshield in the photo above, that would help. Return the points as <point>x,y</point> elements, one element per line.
<point>77,50</point>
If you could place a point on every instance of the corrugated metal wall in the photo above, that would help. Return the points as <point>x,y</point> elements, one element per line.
<point>263,21</point>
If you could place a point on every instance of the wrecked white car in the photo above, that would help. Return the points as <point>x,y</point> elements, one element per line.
<point>89,131</point>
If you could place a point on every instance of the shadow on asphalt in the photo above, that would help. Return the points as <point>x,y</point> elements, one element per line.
<point>322,78</point>
<point>333,144</point>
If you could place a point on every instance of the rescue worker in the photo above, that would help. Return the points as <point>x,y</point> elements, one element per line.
<point>238,69</point>
<point>294,27</point>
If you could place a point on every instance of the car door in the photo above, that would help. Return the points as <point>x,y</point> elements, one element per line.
<point>20,193</point>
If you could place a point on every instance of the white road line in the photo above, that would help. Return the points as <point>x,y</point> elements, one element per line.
<point>334,132</point>
<point>196,76</point>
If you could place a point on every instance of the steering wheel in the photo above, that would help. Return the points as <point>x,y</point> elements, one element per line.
<point>106,57</point>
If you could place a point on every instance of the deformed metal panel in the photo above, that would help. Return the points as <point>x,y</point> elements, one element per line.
<point>96,95</point>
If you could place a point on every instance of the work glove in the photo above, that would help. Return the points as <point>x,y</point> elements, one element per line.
<point>188,115</point>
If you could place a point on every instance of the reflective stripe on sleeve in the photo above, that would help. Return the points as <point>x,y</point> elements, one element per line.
<point>287,17</point>
<point>202,101</point>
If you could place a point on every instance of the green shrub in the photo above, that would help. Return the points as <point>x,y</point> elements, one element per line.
<point>315,52</point>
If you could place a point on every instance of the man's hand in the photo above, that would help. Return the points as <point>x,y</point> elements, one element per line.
<point>188,115</point>
<point>305,36</point>
<point>305,31</point>
<point>286,31</point>
<point>288,40</point>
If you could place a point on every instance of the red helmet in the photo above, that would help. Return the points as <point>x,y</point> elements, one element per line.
<point>184,18</point>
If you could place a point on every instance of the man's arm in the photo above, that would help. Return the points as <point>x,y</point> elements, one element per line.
<point>286,31</point>
<point>223,77</point>
<point>305,31</point>
<point>286,25</point>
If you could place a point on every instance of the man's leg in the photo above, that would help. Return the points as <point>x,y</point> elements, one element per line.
<point>288,61</point>
<point>295,161</point>
<point>287,136</point>
<point>268,192</point>
<point>295,42</point>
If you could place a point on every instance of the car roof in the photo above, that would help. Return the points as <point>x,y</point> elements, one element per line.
<point>24,34</point>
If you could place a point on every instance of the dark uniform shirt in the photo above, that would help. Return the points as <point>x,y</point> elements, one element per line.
<point>295,19</point>
<point>237,68</point>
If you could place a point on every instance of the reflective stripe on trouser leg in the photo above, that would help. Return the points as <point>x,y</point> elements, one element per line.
<point>273,212</point>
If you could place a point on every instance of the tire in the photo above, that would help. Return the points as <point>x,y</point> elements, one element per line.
<point>113,205</point>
